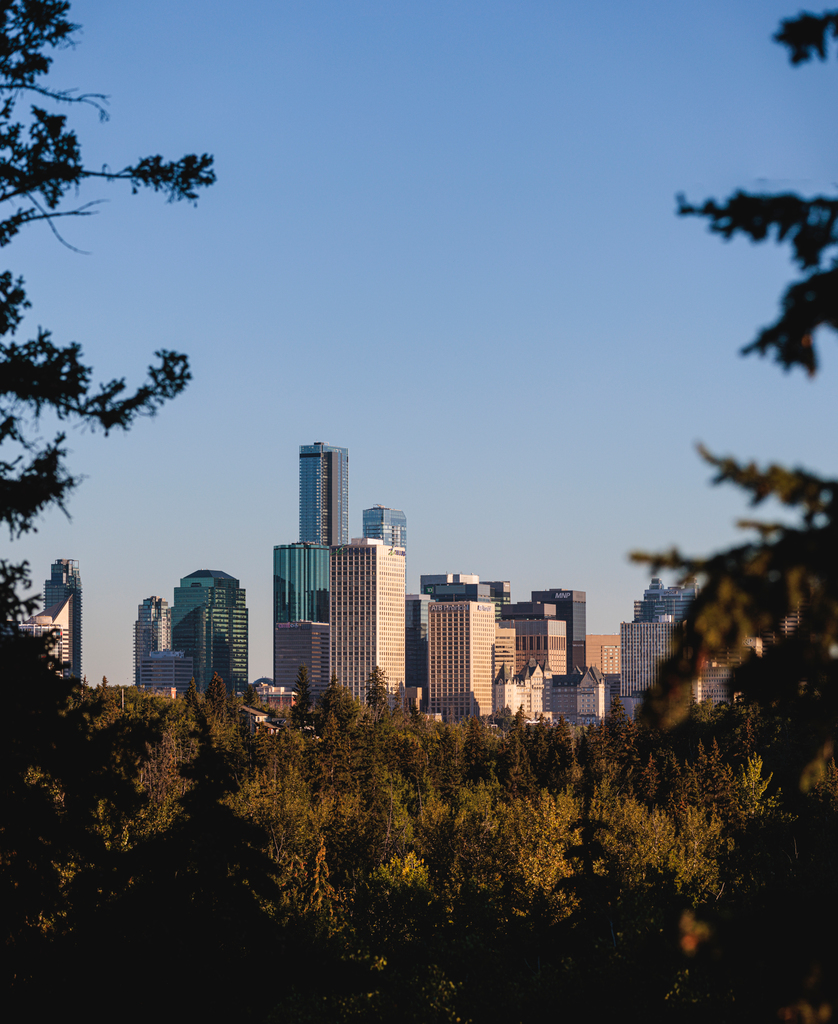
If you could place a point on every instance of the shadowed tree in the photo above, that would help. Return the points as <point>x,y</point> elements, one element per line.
<point>301,708</point>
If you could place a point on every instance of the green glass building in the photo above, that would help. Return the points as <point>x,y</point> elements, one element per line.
<point>301,583</point>
<point>209,624</point>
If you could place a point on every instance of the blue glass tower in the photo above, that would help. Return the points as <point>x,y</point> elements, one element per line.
<point>209,624</point>
<point>387,524</point>
<point>324,494</point>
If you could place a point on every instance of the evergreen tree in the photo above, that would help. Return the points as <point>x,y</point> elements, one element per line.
<point>216,699</point>
<point>191,696</point>
<point>377,692</point>
<point>301,708</point>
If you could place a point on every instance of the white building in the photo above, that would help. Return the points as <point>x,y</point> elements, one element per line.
<point>643,646</point>
<point>460,639</point>
<point>366,614</point>
<point>54,622</point>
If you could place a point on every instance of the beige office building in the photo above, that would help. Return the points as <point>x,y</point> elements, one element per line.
<point>602,651</point>
<point>503,650</point>
<point>366,614</point>
<point>460,639</point>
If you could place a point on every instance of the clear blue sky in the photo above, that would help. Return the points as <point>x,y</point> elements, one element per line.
<point>443,236</point>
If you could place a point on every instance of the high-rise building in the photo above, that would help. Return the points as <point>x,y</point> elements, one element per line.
<point>165,670</point>
<point>209,624</point>
<point>545,640</point>
<point>503,650</point>
<point>603,652</point>
<point>367,609</point>
<point>152,631</point>
<point>500,594</point>
<point>301,583</point>
<point>387,524</point>
<point>324,494</point>
<point>454,586</point>
<point>302,643</point>
<point>460,639</point>
<point>643,646</point>
<point>659,600</point>
<point>416,644</point>
<point>571,609</point>
<point>64,582</point>
<point>54,622</point>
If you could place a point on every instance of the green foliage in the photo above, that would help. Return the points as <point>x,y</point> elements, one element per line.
<point>301,708</point>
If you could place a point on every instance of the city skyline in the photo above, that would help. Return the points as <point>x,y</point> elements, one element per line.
<point>465,195</point>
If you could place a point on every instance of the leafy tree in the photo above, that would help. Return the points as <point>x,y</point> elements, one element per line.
<point>301,708</point>
<point>40,167</point>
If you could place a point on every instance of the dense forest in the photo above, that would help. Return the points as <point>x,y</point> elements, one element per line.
<point>361,864</point>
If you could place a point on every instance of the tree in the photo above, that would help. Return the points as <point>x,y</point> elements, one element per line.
<point>301,708</point>
<point>783,583</point>
<point>40,165</point>
<point>377,692</point>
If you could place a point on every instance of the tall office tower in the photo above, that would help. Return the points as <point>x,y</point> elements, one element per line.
<point>366,617</point>
<point>500,594</point>
<point>54,622</point>
<point>503,650</point>
<point>301,583</point>
<point>152,631</point>
<point>460,638</point>
<point>416,644</point>
<point>65,581</point>
<point>387,524</point>
<point>643,646</point>
<point>209,624</point>
<point>324,494</point>
<point>570,608</point>
<point>660,600</point>
<point>302,643</point>
<point>545,640</point>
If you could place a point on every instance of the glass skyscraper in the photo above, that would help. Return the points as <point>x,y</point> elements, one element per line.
<point>324,494</point>
<point>387,524</point>
<point>64,582</point>
<point>209,624</point>
<point>301,583</point>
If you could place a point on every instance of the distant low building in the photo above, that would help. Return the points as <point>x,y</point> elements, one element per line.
<point>162,670</point>
<point>581,697</point>
<point>524,690</point>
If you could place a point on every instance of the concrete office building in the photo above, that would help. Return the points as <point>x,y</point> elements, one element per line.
<point>643,647</point>
<point>164,670</point>
<point>367,614</point>
<point>603,652</point>
<point>386,524</point>
<point>65,581</point>
<point>210,625</point>
<point>54,622</point>
<point>301,583</point>
<point>571,608</point>
<point>302,643</point>
<point>460,639</point>
<point>324,494</point>
<point>543,639</point>
<point>152,630</point>
<point>503,649</point>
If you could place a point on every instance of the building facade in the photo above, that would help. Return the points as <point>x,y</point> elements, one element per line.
<point>571,608</point>
<point>152,631</point>
<point>55,623</point>
<point>166,669</point>
<point>324,494</point>
<point>367,614</point>
<point>460,639</point>
<point>386,524</point>
<point>301,583</point>
<point>643,647</point>
<point>65,581</point>
<point>210,626</point>
<point>302,643</point>
<point>416,646</point>
<point>659,600</point>
<point>500,594</point>
<point>545,640</point>
<point>603,652</point>
<point>503,649</point>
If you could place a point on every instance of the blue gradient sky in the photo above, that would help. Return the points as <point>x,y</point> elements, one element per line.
<point>443,236</point>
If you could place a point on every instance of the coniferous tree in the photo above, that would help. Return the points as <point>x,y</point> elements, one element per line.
<point>216,699</point>
<point>191,696</point>
<point>301,708</point>
<point>377,692</point>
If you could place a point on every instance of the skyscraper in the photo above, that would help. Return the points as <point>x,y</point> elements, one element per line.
<point>324,494</point>
<point>387,524</point>
<point>460,639</point>
<point>416,643</point>
<point>64,582</point>
<point>152,631</point>
<point>659,600</point>
<point>571,606</point>
<point>209,624</point>
<point>367,608</point>
<point>301,583</point>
